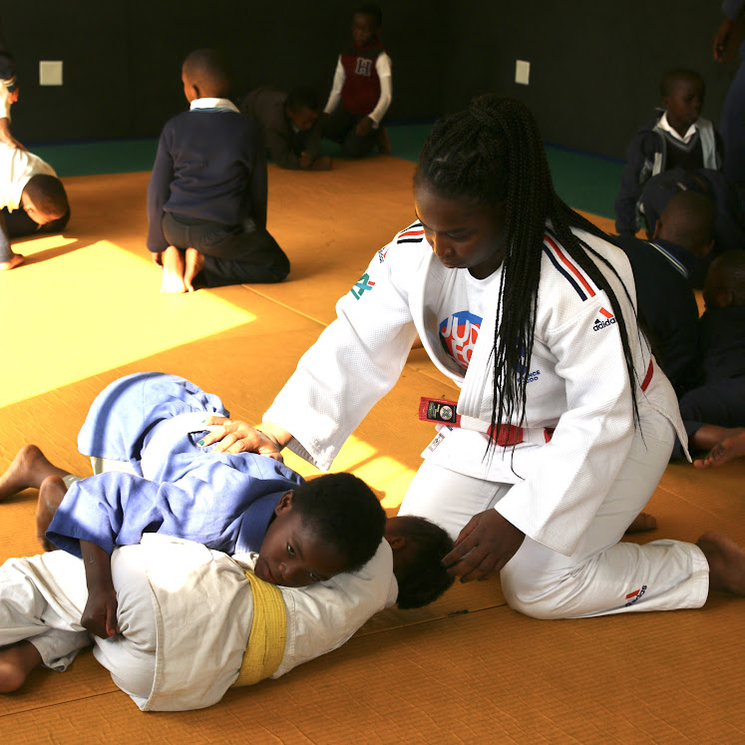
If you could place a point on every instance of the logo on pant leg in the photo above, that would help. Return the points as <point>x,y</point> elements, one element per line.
<point>633,597</point>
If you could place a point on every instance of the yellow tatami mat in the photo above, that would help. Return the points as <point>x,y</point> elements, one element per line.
<point>86,309</point>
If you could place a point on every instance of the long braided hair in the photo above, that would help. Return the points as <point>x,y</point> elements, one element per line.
<point>493,153</point>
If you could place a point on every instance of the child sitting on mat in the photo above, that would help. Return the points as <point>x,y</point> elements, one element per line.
<point>31,198</point>
<point>362,90</point>
<point>207,196</point>
<point>679,136</point>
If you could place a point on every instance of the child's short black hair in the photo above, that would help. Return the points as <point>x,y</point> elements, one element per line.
<point>48,195</point>
<point>371,9</point>
<point>345,513</point>
<point>209,70</point>
<point>302,97</point>
<point>672,77</point>
<point>423,578</point>
<point>689,220</point>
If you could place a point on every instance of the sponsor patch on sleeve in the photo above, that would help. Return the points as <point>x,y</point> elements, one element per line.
<point>363,284</point>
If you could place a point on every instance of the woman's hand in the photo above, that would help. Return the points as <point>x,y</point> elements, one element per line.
<point>235,436</point>
<point>484,546</point>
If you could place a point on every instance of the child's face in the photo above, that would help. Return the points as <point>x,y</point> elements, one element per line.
<point>304,119</point>
<point>291,553</point>
<point>364,29</point>
<point>684,103</point>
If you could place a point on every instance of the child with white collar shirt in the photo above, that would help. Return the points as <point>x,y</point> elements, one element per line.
<point>679,137</point>
<point>207,196</point>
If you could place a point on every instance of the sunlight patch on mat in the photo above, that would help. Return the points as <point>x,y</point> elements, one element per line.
<point>94,309</point>
<point>37,245</point>
<point>382,473</point>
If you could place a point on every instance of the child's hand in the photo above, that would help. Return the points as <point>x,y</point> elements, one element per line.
<point>157,258</point>
<point>306,160</point>
<point>234,436</point>
<point>99,615</point>
<point>364,127</point>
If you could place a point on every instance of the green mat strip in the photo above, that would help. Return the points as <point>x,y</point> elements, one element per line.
<point>585,182</point>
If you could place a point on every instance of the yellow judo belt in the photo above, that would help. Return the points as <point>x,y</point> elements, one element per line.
<point>266,640</point>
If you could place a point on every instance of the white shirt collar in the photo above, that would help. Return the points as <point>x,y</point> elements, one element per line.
<point>665,124</point>
<point>220,104</point>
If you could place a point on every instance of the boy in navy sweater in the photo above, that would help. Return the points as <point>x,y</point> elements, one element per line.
<point>207,197</point>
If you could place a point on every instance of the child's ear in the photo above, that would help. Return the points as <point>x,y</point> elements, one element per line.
<point>285,502</point>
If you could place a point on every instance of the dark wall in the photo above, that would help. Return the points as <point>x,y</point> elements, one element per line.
<point>122,61</point>
<point>595,66</point>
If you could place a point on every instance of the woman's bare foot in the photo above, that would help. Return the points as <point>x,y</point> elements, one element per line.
<point>28,469</point>
<point>726,563</point>
<point>173,272</point>
<point>15,260</point>
<point>16,663</point>
<point>642,523</point>
<point>51,493</point>
<point>731,446</point>
<point>194,263</point>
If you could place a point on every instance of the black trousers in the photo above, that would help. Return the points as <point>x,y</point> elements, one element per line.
<point>232,254</point>
<point>339,127</point>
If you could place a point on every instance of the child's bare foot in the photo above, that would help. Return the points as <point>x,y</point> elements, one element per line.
<point>16,663</point>
<point>729,447</point>
<point>194,264</point>
<point>15,260</point>
<point>28,469</point>
<point>642,523</point>
<point>51,493</point>
<point>173,272</point>
<point>726,563</point>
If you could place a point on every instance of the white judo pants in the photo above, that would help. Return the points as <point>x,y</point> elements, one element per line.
<point>602,576</point>
<point>42,600</point>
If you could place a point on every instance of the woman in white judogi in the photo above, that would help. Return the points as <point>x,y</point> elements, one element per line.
<point>565,422</point>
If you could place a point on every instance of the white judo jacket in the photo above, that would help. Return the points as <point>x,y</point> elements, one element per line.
<point>578,388</point>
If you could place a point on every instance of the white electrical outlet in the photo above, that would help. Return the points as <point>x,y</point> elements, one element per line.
<point>50,72</point>
<point>522,72</point>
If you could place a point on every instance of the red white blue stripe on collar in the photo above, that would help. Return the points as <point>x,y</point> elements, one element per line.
<point>568,268</point>
<point>413,234</point>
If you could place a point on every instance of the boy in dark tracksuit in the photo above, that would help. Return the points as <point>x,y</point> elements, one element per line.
<point>715,411</point>
<point>663,269</point>
<point>678,137</point>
